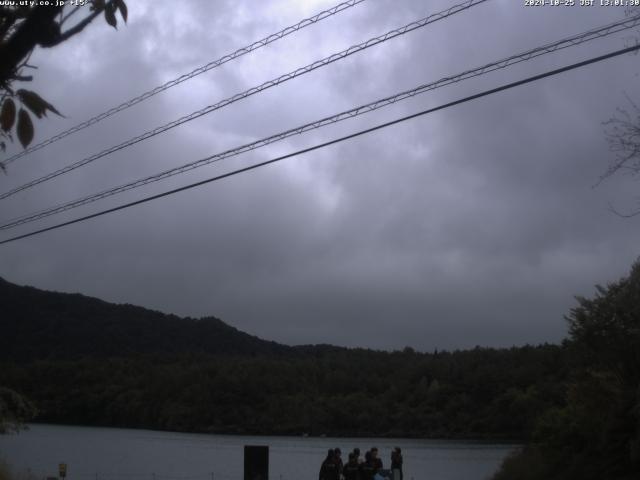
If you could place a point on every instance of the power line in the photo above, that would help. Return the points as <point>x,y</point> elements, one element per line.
<point>360,110</point>
<point>332,142</point>
<point>254,90</point>
<point>187,76</point>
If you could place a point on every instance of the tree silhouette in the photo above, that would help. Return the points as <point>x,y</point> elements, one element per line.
<point>22,29</point>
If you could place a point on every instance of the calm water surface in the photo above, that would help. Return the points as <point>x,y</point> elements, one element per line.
<point>119,454</point>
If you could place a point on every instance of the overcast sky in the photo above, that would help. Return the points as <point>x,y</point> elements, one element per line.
<point>475,225</point>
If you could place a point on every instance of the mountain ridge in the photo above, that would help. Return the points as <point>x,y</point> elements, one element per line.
<point>43,324</point>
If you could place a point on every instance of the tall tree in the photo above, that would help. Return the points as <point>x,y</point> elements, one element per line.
<point>596,435</point>
<point>623,134</point>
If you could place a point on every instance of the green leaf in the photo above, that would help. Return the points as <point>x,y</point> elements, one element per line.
<point>120,5</point>
<point>7,115</point>
<point>36,103</point>
<point>25,128</point>
<point>110,15</point>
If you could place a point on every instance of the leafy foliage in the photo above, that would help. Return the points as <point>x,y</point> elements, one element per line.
<point>596,434</point>
<point>23,28</point>
<point>24,128</point>
<point>15,410</point>
<point>8,114</point>
<point>35,103</point>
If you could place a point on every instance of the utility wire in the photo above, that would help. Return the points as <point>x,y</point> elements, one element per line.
<point>360,110</point>
<point>332,142</point>
<point>252,91</point>
<point>187,76</point>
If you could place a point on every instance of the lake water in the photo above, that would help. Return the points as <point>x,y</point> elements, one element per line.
<point>120,454</point>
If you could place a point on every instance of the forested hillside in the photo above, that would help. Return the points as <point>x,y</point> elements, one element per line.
<point>84,361</point>
<point>38,324</point>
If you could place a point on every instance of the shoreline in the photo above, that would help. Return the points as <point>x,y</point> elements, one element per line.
<point>467,440</point>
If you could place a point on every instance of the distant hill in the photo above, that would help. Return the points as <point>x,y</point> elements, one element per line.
<point>45,325</point>
<point>84,361</point>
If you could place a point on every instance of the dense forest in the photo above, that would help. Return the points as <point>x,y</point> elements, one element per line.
<point>576,405</point>
<point>478,393</point>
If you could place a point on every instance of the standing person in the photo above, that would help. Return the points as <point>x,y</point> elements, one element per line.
<point>396,464</point>
<point>356,452</point>
<point>351,470</point>
<point>367,468</point>
<point>337,455</point>
<point>377,461</point>
<point>329,468</point>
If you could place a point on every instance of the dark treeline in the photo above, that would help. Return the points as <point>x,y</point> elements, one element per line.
<point>478,393</point>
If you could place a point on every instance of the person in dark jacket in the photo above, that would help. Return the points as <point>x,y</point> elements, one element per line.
<point>356,452</point>
<point>329,467</point>
<point>351,470</point>
<point>396,464</point>
<point>367,468</point>
<point>377,461</point>
<point>337,454</point>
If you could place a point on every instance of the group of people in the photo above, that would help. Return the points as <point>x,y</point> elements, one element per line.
<point>357,468</point>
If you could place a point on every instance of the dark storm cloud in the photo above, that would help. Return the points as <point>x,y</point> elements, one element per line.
<point>474,225</point>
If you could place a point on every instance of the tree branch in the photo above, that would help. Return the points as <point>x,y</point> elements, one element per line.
<point>81,25</point>
<point>36,28</point>
<point>70,14</point>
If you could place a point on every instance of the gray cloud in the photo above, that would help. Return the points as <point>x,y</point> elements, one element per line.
<point>474,225</point>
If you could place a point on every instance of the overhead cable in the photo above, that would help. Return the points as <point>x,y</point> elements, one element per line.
<point>331,142</point>
<point>187,76</point>
<point>252,91</point>
<point>354,112</point>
